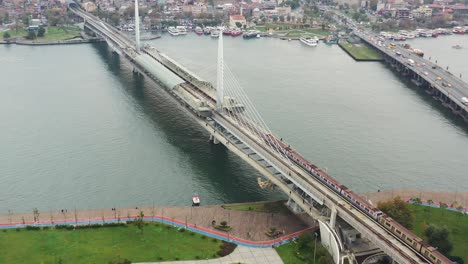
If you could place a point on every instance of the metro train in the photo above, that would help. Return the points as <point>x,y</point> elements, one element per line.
<point>387,222</point>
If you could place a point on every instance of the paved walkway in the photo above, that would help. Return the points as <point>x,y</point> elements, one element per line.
<point>244,255</point>
<point>455,198</point>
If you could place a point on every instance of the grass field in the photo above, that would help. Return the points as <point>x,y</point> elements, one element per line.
<point>361,51</point>
<point>101,245</point>
<point>267,207</point>
<point>52,33</point>
<point>290,254</point>
<point>455,222</point>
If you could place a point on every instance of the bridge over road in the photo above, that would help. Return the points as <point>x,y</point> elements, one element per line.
<point>232,120</point>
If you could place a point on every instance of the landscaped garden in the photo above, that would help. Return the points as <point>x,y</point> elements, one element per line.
<point>112,243</point>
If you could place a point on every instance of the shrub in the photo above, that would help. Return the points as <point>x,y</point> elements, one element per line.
<point>192,233</point>
<point>160,258</point>
<point>197,257</point>
<point>226,248</point>
<point>176,258</point>
<point>18,229</point>
<point>33,228</point>
<point>203,237</point>
<point>181,230</point>
<point>214,240</point>
<point>223,223</point>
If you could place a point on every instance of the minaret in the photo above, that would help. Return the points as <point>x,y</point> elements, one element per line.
<point>137,27</point>
<point>220,75</point>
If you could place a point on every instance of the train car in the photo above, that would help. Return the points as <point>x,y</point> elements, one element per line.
<point>414,241</point>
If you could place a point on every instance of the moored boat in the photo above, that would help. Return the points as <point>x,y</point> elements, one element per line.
<point>250,34</point>
<point>195,200</point>
<point>214,33</point>
<point>199,31</point>
<point>173,31</point>
<point>236,32</point>
<point>182,30</point>
<point>312,42</point>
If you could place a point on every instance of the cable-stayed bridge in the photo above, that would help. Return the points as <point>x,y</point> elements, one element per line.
<point>231,119</point>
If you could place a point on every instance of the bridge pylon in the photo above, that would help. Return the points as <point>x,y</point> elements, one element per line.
<point>137,27</point>
<point>220,76</point>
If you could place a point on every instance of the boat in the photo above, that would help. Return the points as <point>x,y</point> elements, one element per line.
<point>457,47</point>
<point>227,31</point>
<point>331,40</point>
<point>195,200</point>
<point>150,37</point>
<point>250,34</point>
<point>236,32</point>
<point>214,33</point>
<point>458,30</point>
<point>182,30</point>
<point>199,31</point>
<point>173,31</point>
<point>207,30</point>
<point>312,42</point>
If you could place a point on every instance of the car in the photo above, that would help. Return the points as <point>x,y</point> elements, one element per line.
<point>438,78</point>
<point>449,85</point>
<point>434,67</point>
<point>426,73</point>
<point>444,84</point>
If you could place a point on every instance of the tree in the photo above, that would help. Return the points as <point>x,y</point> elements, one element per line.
<point>6,35</point>
<point>398,210</point>
<point>438,236</point>
<point>36,212</point>
<point>40,32</point>
<point>31,35</point>
<point>238,24</point>
<point>139,221</point>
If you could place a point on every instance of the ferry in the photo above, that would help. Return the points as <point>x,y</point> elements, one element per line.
<point>199,31</point>
<point>195,200</point>
<point>182,30</point>
<point>173,31</point>
<point>312,42</point>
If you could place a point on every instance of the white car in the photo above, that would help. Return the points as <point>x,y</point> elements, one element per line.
<point>426,73</point>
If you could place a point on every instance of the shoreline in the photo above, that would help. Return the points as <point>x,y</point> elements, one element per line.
<point>448,197</point>
<point>56,42</point>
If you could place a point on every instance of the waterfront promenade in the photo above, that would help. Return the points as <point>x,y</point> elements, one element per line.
<point>248,227</point>
<point>456,198</point>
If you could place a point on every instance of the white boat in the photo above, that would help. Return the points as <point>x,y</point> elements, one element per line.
<point>199,31</point>
<point>309,41</point>
<point>195,200</point>
<point>182,30</point>
<point>173,31</point>
<point>214,33</point>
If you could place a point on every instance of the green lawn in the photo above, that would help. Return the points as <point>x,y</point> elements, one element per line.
<point>455,222</point>
<point>361,51</point>
<point>52,33</point>
<point>101,245</point>
<point>290,254</point>
<point>267,207</point>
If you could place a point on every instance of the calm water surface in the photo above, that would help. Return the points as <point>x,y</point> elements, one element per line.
<point>77,128</point>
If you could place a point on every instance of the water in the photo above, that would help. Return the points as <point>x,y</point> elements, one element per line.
<point>77,128</point>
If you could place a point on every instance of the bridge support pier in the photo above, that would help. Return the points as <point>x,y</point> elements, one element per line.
<point>214,140</point>
<point>333,216</point>
<point>294,206</point>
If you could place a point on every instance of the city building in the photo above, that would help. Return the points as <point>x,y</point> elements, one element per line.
<point>236,19</point>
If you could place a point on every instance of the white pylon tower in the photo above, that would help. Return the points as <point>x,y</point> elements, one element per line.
<point>137,27</point>
<point>220,75</point>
